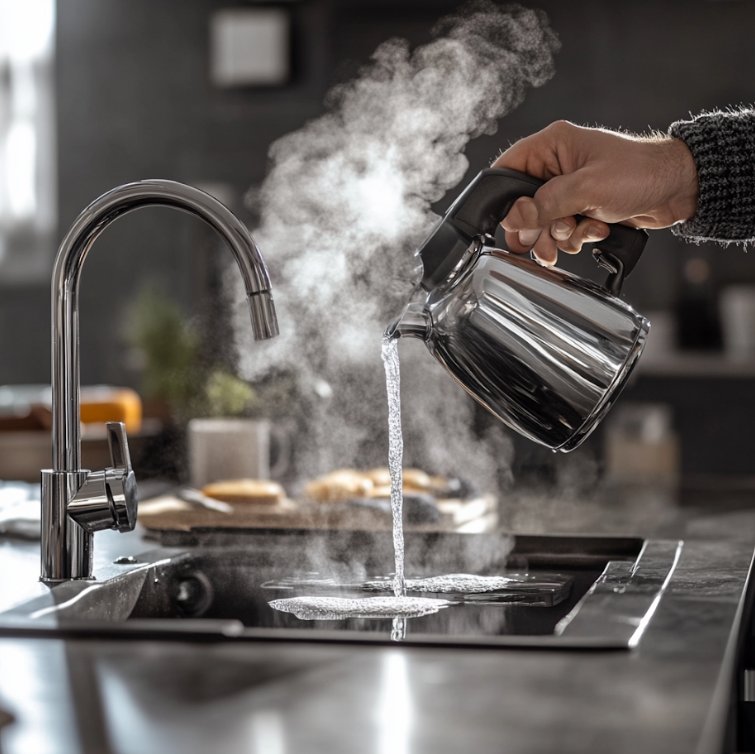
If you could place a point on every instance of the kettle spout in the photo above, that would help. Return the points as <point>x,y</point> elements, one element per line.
<point>414,322</point>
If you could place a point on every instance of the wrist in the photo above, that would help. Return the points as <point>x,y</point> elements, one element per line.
<point>681,171</point>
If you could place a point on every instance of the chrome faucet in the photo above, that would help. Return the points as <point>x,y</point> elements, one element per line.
<point>77,502</point>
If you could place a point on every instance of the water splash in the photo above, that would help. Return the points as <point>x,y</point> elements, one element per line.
<point>338,608</point>
<point>450,583</point>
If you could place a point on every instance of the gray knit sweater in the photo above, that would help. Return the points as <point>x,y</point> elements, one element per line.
<point>723,147</point>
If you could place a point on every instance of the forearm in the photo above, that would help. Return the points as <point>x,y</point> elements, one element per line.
<point>723,147</point>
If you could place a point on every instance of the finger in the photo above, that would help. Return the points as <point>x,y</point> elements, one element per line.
<point>528,238</point>
<point>587,231</point>
<point>562,229</point>
<point>522,241</point>
<point>562,232</point>
<point>514,245</point>
<point>522,215</point>
<point>545,249</point>
<point>570,235</point>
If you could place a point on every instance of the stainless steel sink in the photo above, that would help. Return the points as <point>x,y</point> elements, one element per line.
<point>566,592</point>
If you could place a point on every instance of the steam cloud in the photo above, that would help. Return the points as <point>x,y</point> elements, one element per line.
<point>347,201</point>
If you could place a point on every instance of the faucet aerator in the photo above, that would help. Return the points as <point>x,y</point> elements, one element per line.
<point>264,318</point>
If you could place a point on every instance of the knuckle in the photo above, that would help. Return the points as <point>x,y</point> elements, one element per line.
<point>560,127</point>
<point>546,203</point>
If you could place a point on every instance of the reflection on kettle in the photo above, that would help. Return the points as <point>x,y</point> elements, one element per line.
<point>544,350</point>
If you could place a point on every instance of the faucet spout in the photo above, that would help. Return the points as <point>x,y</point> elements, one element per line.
<point>66,545</point>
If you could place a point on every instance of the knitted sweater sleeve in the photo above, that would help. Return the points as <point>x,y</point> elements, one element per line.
<point>723,147</point>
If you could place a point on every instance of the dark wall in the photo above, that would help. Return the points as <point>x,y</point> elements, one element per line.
<point>135,101</point>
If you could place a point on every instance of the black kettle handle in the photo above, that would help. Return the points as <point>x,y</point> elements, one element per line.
<point>489,197</point>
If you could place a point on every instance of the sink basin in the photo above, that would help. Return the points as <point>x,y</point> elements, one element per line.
<point>564,592</point>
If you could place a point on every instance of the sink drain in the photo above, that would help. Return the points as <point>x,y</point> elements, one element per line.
<point>194,595</point>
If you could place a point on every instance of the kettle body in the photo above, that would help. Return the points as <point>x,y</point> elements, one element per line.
<point>544,350</point>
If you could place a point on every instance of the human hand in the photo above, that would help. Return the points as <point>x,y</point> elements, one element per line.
<point>604,176</point>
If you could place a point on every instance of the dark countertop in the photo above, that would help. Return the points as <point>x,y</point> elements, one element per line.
<point>671,694</point>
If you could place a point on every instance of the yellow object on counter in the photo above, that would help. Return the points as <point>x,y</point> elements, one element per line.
<point>111,404</point>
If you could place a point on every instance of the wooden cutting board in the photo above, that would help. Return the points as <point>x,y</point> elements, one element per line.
<point>171,513</point>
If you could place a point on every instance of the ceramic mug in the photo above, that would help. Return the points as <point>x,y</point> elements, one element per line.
<point>234,449</point>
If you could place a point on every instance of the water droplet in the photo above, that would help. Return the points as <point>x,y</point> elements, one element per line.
<point>125,560</point>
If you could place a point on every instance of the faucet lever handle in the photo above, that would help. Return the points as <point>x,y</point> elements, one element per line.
<point>108,499</point>
<point>120,481</point>
<point>118,443</point>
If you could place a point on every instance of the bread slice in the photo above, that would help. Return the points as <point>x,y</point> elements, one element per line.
<point>414,479</point>
<point>337,486</point>
<point>245,491</point>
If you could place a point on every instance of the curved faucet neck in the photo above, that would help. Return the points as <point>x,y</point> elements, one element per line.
<point>66,436</point>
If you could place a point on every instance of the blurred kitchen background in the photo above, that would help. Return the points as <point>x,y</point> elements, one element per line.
<point>103,92</point>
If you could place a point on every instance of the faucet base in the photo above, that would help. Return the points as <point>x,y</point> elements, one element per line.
<point>66,548</point>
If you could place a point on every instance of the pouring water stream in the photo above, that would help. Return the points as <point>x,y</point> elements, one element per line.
<point>395,457</point>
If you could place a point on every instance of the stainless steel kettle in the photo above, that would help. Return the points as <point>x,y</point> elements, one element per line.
<point>544,350</point>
